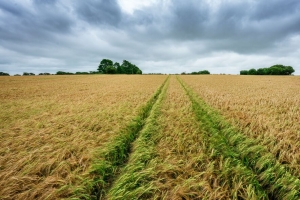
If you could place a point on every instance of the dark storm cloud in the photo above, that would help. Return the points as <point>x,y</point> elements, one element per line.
<point>188,20</point>
<point>258,19</point>
<point>11,8</point>
<point>98,12</point>
<point>40,22</point>
<point>275,9</point>
<point>33,30</point>
<point>257,26</point>
<point>76,35</point>
<point>241,26</point>
<point>45,1</point>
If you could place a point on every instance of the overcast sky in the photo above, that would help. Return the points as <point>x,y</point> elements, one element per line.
<point>167,36</point>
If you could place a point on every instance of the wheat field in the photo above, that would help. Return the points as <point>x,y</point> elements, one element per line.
<point>149,137</point>
<point>51,126</point>
<point>266,108</point>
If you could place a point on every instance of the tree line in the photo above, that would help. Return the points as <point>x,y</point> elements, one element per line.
<point>273,70</point>
<point>4,74</point>
<point>24,74</point>
<point>195,73</point>
<point>107,66</point>
<point>46,73</point>
<point>76,73</point>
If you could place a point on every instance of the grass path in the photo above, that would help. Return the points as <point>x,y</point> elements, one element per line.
<point>188,167</point>
<point>134,181</point>
<point>109,160</point>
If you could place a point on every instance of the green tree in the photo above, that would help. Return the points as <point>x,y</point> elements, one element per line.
<point>120,69</point>
<point>104,64</point>
<point>267,71</point>
<point>252,72</point>
<point>46,73</point>
<point>281,70</point>
<point>60,73</point>
<point>110,70</point>
<point>244,72</point>
<point>273,70</point>
<point>289,70</point>
<point>28,74</point>
<point>139,71</point>
<point>107,66</point>
<point>63,73</point>
<point>204,72</point>
<point>260,71</point>
<point>127,66</point>
<point>25,74</point>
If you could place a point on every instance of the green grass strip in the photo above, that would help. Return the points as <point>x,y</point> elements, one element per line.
<point>134,181</point>
<point>110,159</point>
<point>277,181</point>
<point>233,172</point>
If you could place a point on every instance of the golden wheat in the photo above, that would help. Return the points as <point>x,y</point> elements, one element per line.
<point>184,170</point>
<point>173,159</point>
<point>50,126</point>
<point>263,107</point>
<point>52,129</point>
<point>189,166</point>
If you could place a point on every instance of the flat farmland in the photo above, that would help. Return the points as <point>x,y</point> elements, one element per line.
<point>50,127</point>
<point>266,108</point>
<point>150,137</point>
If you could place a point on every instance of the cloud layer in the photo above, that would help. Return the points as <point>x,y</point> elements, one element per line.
<point>168,36</point>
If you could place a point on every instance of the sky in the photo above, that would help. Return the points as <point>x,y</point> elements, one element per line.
<point>159,36</point>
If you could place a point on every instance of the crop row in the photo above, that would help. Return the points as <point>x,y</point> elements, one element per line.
<point>273,177</point>
<point>264,108</point>
<point>201,156</point>
<point>177,145</point>
<point>50,128</point>
<point>110,159</point>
